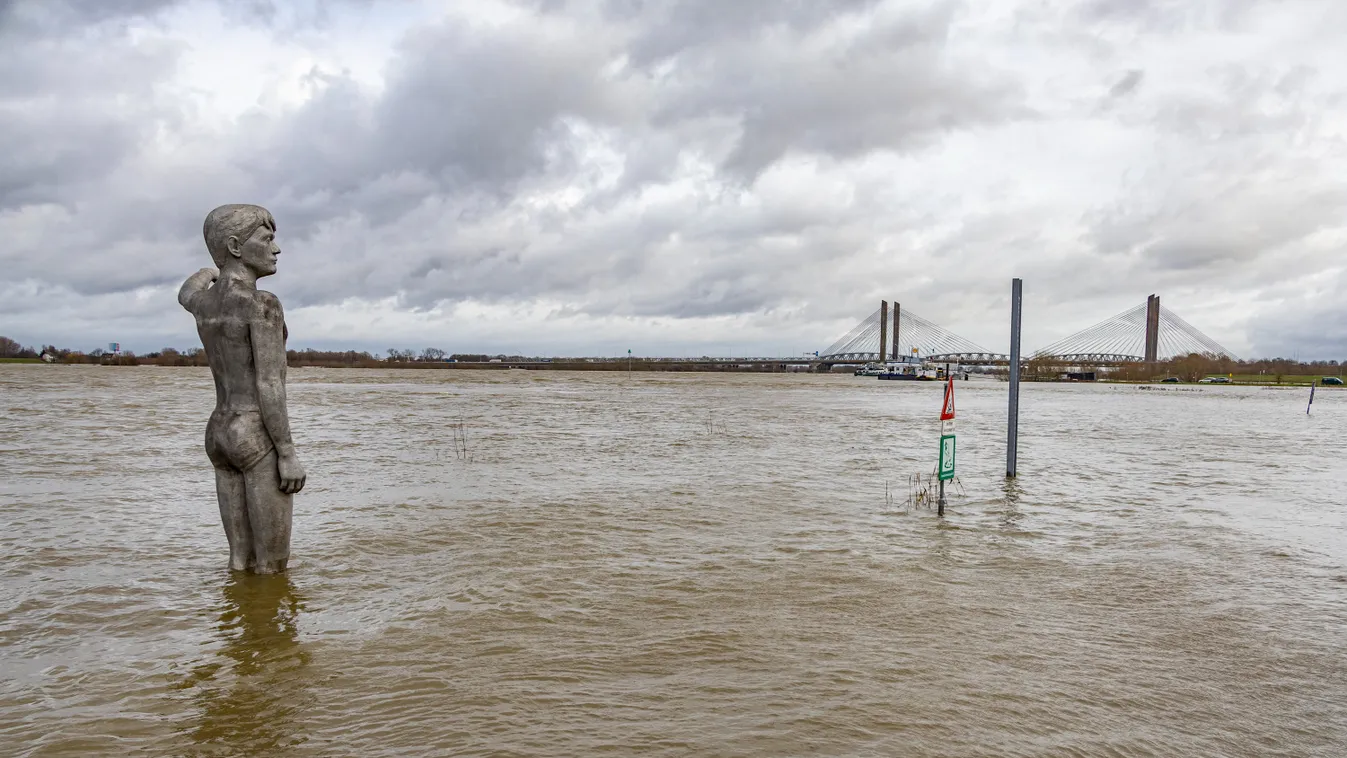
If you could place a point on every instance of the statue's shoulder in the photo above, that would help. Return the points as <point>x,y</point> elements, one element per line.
<point>268,307</point>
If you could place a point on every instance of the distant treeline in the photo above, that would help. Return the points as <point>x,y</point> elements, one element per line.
<point>1188,368</point>
<point>11,350</point>
<point>168,356</point>
<point>1191,368</point>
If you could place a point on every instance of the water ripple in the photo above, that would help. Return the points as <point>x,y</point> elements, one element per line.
<point>675,565</point>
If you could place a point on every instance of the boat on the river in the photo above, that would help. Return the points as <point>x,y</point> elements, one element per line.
<point>908,373</point>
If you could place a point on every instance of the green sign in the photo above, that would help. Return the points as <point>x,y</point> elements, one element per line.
<point>946,457</point>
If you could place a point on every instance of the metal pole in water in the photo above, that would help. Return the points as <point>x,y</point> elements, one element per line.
<point>1013,416</point>
<point>940,506</point>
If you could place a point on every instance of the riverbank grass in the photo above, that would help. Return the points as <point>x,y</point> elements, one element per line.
<point>1269,379</point>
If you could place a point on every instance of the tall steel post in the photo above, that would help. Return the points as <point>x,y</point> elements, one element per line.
<point>897,310</point>
<point>883,327</point>
<point>1013,415</point>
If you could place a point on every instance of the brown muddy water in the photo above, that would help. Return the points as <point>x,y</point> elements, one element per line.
<point>676,565</point>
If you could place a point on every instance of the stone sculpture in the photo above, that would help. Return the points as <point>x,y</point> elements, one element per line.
<point>248,436</point>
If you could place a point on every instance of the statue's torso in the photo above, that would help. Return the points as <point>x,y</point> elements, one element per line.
<point>236,436</point>
<point>224,317</point>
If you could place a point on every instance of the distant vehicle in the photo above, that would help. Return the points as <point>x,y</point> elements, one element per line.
<point>869,369</point>
<point>1170,380</point>
<point>1214,380</point>
<point>1331,380</point>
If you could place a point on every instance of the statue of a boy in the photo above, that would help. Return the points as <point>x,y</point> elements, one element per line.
<point>248,435</point>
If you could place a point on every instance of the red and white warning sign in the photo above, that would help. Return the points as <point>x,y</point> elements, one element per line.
<point>947,410</point>
<point>946,467</point>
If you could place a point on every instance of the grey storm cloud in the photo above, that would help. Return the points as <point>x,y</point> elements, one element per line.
<point>467,111</point>
<point>1130,81</point>
<point>1220,216</point>
<point>476,110</point>
<point>471,115</point>
<point>626,159</point>
<point>67,15</point>
<point>74,101</point>
<point>667,30</point>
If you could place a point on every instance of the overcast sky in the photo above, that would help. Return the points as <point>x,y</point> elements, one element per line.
<point>553,177</point>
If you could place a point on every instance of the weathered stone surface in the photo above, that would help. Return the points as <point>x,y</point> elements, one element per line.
<point>248,436</point>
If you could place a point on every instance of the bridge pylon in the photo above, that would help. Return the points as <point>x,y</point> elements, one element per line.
<point>1152,328</point>
<point>883,327</point>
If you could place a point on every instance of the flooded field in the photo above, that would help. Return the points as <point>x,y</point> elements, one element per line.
<point>676,565</point>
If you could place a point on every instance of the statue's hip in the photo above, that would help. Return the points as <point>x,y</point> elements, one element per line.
<point>237,439</point>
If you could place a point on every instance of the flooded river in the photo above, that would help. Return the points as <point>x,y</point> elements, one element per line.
<point>676,565</point>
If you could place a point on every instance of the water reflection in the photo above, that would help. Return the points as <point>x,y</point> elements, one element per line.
<point>1010,515</point>
<point>248,696</point>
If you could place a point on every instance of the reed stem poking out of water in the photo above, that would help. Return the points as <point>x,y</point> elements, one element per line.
<point>923,491</point>
<point>461,450</point>
<point>712,427</point>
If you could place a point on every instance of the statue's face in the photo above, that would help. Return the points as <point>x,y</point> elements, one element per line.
<point>259,252</point>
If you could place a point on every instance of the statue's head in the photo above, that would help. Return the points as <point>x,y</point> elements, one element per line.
<point>242,235</point>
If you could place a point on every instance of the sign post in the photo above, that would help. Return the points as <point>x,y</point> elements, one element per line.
<point>945,471</point>
<point>1013,412</point>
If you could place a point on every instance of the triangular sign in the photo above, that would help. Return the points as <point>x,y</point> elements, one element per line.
<point>947,410</point>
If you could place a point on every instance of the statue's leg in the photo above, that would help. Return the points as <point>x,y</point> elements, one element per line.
<point>269,512</point>
<point>230,491</point>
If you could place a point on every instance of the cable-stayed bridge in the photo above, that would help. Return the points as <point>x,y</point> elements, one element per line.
<point>1145,333</point>
<point>911,335</point>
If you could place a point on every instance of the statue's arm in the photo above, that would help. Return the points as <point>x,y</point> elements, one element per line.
<point>196,283</point>
<point>267,331</point>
